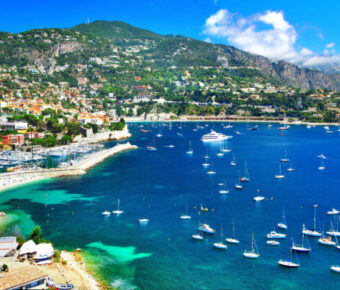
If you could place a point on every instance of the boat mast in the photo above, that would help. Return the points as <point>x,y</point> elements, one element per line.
<point>315,206</point>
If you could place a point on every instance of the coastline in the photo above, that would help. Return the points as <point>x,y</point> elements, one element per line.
<point>211,119</point>
<point>23,177</point>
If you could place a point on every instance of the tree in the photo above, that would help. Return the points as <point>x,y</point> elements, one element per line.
<point>36,235</point>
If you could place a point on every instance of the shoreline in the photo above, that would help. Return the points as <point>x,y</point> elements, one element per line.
<point>30,176</point>
<point>296,123</point>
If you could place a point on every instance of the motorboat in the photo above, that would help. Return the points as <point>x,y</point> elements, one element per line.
<point>213,136</point>
<point>106,213</point>
<point>275,235</point>
<point>143,221</point>
<point>272,243</point>
<point>258,198</point>
<point>333,211</point>
<point>335,269</point>
<point>206,229</point>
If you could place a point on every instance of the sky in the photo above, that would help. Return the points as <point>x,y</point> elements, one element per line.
<point>300,31</point>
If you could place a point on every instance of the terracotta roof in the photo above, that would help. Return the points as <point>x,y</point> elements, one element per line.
<point>20,276</point>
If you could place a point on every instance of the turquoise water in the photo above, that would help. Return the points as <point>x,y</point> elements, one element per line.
<point>157,185</point>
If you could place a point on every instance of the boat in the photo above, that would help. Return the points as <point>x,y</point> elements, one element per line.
<point>204,208</point>
<point>205,228</point>
<point>333,211</point>
<point>143,221</point>
<point>228,126</point>
<point>206,164</point>
<point>283,224</point>
<point>233,162</point>
<point>159,135</point>
<point>254,253</point>
<point>335,269</point>
<point>238,186</point>
<point>225,189</point>
<point>198,237</point>
<point>186,216</point>
<point>211,171</point>
<point>289,263</point>
<point>214,137</point>
<point>144,131</point>
<point>220,245</point>
<point>170,146</point>
<point>332,232</point>
<point>272,243</point>
<point>280,175</point>
<point>225,148</point>
<point>322,165</point>
<point>63,286</point>
<point>220,154</point>
<point>254,128</point>
<point>237,132</point>
<point>285,159</point>
<point>327,241</point>
<point>275,235</point>
<point>106,213</point>
<point>118,211</point>
<point>151,148</point>
<point>190,151</point>
<point>314,232</point>
<point>301,248</point>
<point>284,127</point>
<point>290,168</point>
<point>258,198</point>
<point>2,214</point>
<point>269,125</point>
<point>322,156</point>
<point>246,177</point>
<point>233,240</point>
<point>309,126</point>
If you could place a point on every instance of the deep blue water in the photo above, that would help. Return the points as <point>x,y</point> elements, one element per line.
<point>157,185</point>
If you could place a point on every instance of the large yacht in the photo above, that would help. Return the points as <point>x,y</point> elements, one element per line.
<point>214,136</point>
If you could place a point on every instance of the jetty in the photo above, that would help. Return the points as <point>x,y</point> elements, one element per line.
<point>24,176</point>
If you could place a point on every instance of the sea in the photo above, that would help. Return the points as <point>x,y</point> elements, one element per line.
<point>160,186</point>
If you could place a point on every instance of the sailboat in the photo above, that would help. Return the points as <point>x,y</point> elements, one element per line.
<point>314,232</point>
<point>289,263</point>
<point>327,241</point>
<point>301,248</point>
<point>190,151</point>
<point>228,126</point>
<point>143,221</point>
<point>186,216</point>
<point>283,224</point>
<point>332,232</point>
<point>254,253</point>
<point>225,189</point>
<point>237,184</point>
<point>322,165</point>
<point>246,177</point>
<point>290,168</point>
<point>106,213</point>
<point>221,245</point>
<point>152,147</point>
<point>118,211</point>
<point>280,175</point>
<point>285,159</point>
<point>159,135</point>
<point>225,148</point>
<point>233,162</point>
<point>205,164</point>
<point>211,171</point>
<point>233,240</point>
<point>284,127</point>
<point>198,236</point>
<point>220,154</point>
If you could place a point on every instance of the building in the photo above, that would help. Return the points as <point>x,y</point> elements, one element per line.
<point>25,278</point>
<point>7,244</point>
<point>12,139</point>
<point>13,125</point>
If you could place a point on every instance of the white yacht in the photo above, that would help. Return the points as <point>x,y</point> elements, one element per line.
<point>254,253</point>
<point>275,235</point>
<point>335,269</point>
<point>333,211</point>
<point>214,137</point>
<point>233,240</point>
<point>258,198</point>
<point>220,245</point>
<point>118,211</point>
<point>272,243</point>
<point>198,237</point>
<point>207,229</point>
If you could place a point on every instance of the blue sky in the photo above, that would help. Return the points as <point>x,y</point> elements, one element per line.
<point>298,30</point>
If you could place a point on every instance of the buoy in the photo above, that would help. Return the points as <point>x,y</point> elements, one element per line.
<point>272,198</point>
<point>169,239</point>
<point>195,206</point>
<point>213,209</point>
<point>199,212</point>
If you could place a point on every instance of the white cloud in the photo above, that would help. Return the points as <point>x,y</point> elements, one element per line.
<point>330,45</point>
<point>208,40</point>
<point>277,42</point>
